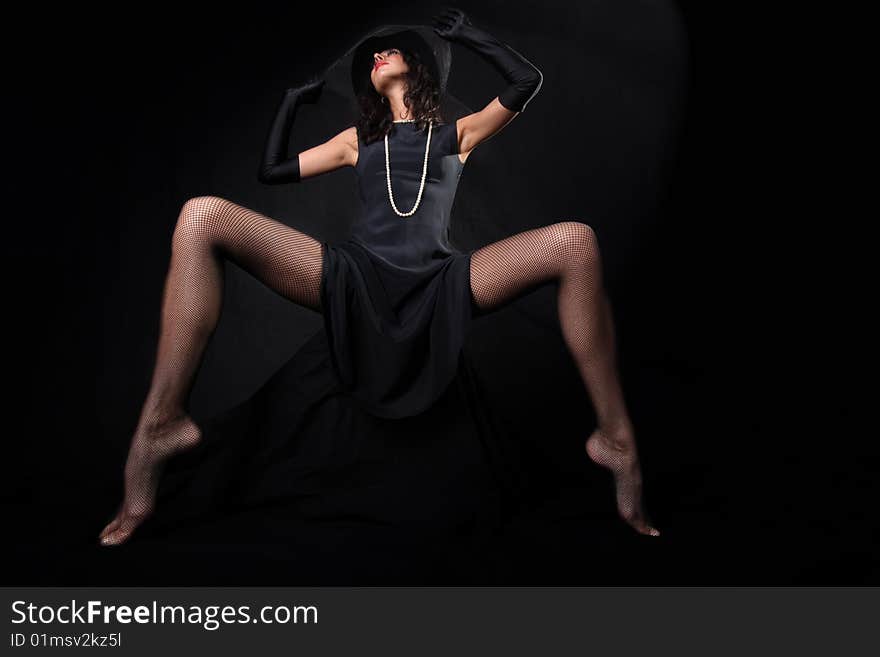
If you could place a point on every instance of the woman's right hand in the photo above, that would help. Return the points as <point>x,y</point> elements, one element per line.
<point>309,92</point>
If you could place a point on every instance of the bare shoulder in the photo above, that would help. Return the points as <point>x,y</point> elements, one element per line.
<point>460,126</point>
<point>349,135</point>
<point>349,139</point>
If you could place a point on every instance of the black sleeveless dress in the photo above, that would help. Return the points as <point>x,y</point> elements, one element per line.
<point>373,454</point>
<point>396,295</point>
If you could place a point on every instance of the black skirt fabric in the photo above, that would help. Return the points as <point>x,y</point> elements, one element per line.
<point>395,333</point>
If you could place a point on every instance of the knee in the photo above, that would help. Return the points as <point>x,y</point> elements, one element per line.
<point>578,244</point>
<point>198,218</point>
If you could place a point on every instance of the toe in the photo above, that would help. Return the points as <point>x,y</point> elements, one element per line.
<point>648,529</point>
<point>110,528</point>
<point>115,538</point>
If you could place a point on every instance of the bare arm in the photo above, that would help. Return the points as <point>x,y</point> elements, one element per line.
<point>335,153</point>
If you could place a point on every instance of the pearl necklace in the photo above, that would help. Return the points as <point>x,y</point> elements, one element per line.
<point>424,171</point>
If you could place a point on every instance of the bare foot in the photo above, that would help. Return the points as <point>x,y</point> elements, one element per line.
<point>617,452</point>
<point>150,449</point>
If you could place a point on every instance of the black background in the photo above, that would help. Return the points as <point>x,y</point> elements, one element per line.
<point>734,337</point>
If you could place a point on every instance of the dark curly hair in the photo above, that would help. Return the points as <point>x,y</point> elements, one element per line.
<point>422,97</point>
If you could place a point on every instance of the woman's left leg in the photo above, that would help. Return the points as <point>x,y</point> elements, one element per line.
<point>568,252</point>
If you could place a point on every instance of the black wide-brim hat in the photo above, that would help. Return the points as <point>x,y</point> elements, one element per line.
<point>343,75</point>
<point>433,50</point>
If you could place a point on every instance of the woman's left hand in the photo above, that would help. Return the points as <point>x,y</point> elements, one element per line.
<point>451,24</point>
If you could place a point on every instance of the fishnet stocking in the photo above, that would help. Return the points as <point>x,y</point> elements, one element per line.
<point>568,253</point>
<point>208,230</point>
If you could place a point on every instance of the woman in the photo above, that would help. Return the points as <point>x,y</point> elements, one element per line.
<point>397,297</point>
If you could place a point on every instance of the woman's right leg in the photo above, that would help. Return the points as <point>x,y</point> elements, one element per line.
<point>209,229</point>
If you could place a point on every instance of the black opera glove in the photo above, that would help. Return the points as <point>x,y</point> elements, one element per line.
<point>524,77</point>
<point>275,166</point>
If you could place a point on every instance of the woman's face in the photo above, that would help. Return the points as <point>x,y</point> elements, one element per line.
<point>387,65</point>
